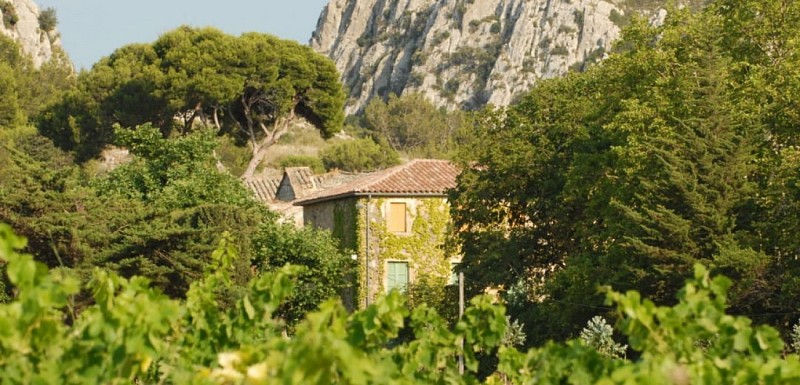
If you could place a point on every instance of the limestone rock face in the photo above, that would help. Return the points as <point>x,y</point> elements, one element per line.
<point>40,45</point>
<point>462,53</point>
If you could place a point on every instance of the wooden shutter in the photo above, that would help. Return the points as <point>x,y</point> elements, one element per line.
<point>397,217</point>
<point>396,276</point>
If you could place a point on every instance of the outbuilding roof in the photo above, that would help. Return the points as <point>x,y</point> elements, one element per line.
<point>418,177</point>
<point>265,190</point>
<point>296,183</point>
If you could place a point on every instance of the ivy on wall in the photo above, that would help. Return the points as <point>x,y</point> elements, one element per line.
<point>423,246</point>
<point>344,224</point>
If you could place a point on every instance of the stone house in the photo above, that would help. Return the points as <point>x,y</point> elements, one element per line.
<point>297,182</point>
<point>395,222</point>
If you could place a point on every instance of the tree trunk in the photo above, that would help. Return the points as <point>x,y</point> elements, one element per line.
<point>271,137</point>
<point>258,156</point>
<point>216,119</point>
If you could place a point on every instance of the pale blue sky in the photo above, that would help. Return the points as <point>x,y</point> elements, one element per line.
<point>91,29</point>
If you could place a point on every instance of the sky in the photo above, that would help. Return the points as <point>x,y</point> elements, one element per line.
<point>91,29</point>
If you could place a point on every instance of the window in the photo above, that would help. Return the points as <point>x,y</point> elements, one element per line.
<point>396,276</point>
<point>397,217</point>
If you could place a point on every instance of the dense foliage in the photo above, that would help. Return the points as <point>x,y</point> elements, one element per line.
<point>412,124</point>
<point>26,90</point>
<point>155,216</point>
<point>677,149</point>
<point>48,19</point>
<point>154,212</point>
<point>325,271</point>
<point>359,155</point>
<point>680,148</point>
<point>133,334</point>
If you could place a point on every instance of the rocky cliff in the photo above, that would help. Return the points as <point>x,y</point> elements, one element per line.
<point>21,23</point>
<point>465,53</point>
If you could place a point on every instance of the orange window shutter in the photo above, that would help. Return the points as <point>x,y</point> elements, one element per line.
<point>397,217</point>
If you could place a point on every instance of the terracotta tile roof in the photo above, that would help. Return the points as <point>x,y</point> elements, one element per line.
<point>419,176</point>
<point>264,189</point>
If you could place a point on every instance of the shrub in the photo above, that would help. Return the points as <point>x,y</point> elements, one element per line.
<point>559,50</point>
<point>440,37</point>
<point>416,79</point>
<point>619,19</point>
<point>302,161</point>
<point>10,17</point>
<point>473,25</point>
<point>232,154</point>
<point>566,29</point>
<point>325,268</point>
<point>450,88</point>
<point>599,335</point>
<point>48,19</point>
<point>434,293</point>
<point>795,337</point>
<point>359,155</point>
<point>579,17</point>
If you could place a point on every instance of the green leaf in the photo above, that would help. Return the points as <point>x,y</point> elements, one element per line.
<point>248,307</point>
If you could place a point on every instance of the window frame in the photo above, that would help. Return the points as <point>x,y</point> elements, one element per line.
<point>387,275</point>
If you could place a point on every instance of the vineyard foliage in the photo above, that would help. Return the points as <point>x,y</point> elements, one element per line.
<point>134,334</point>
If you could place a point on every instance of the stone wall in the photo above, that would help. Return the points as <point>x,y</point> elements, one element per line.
<point>422,246</point>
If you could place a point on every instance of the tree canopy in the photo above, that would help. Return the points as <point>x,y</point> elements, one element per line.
<point>412,124</point>
<point>26,90</point>
<point>674,150</point>
<point>251,86</point>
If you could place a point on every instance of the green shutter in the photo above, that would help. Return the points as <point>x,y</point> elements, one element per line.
<point>396,276</point>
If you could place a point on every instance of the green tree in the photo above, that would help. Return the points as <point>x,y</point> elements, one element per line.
<point>48,19</point>
<point>25,89</point>
<point>45,198</point>
<point>10,112</point>
<point>252,86</point>
<point>297,82</point>
<point>625,175</point>
<point>187,202</point>
<point>155,216</point>
<point>122,88</point>
<point>326,273</point>
<point>410,123</point>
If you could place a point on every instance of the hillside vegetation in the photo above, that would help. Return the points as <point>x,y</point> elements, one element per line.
<point>602,212</point>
